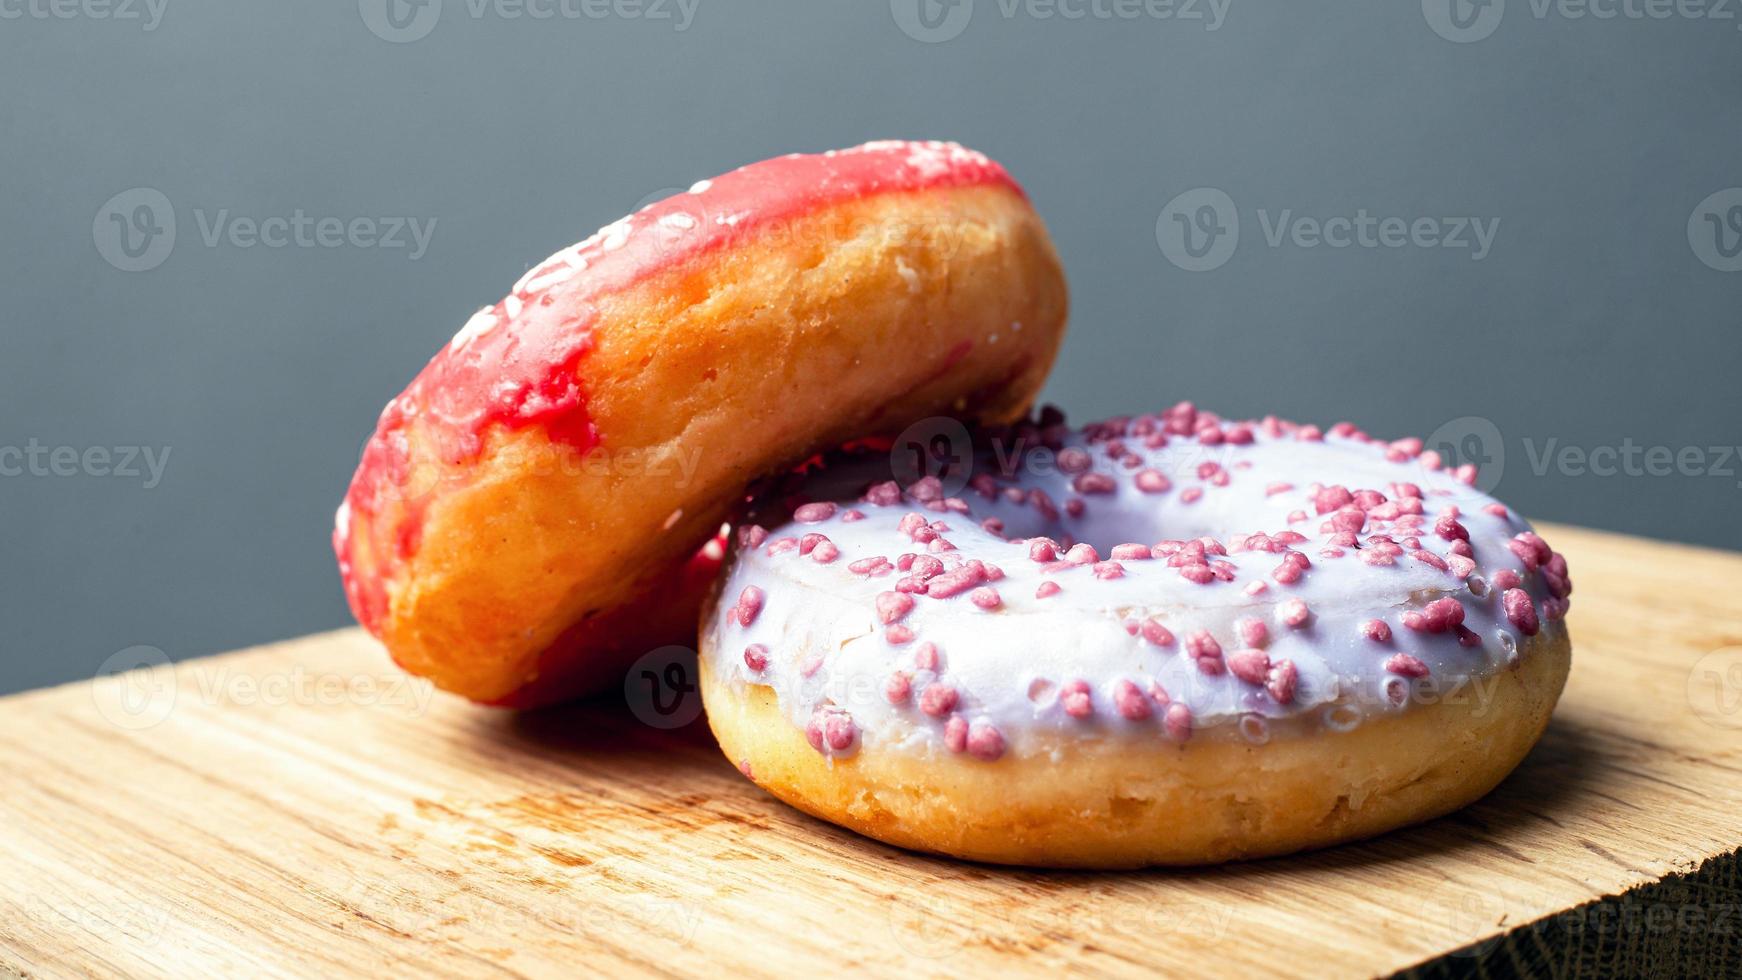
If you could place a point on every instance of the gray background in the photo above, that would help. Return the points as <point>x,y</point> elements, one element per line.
<point>1590,322</point>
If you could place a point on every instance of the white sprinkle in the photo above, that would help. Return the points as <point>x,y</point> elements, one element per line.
<point>511,306</point>
<point>678,220</point>
<point>481,323</point>
<point>616,235</point>
<point>907,274</point>
<point>701,186</point>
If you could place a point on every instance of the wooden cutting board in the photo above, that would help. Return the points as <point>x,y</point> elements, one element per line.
<point>304,809</point>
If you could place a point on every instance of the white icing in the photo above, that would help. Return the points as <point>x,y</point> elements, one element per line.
<point>1000,659</point>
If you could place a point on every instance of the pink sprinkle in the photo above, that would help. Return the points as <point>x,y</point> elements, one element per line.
<point>985,741</point>
<point>1276,488</point>
<point>752,536</point>
<point>840,731</point>
<point>749,605</point>
<point>825,552</point>
<point>1294,612</point>
<point>1093,483</point>
<point>1332,498</point>
<point>809,542</point>
<point>1448,527</point>
<point>1520,611</point>
<point>927,488</point>
<point>1130,701</point>
<point>1191,495</point>
<point>1349,519</point>
<point>1047,590</point>
<point>956,582</point>
<point>756,657</point>
<point>1082,554</point>
<point>1201,644</point>
<point>1283,682</point>
<point>1072,461</point>
<point>1253,631</point>
<point>1130,552</point>
<point>986,597</point>
<point>781,546</point>
<point>1530,549</point>
<point>871,567</point>
<point>1376,630</point>
<point>1074,699</point>
<point>1109,570</point>
<point>1178,721</point>
<point>1377,558</point>
<point>851,515</point>
<point>1405,665</point>
<point>898,635</point>
<point>1043,550</point>
<point>1257,587</point>
<point>956,734</point>
<point>938,700</point>
<point>885,494</point>
<point>893,606</point>
<point>1506,578</point>
<point>1461,567</point>
<point>1437,616</point>
<point>1201,574</point>
<point>1251,666</point>
<point>1498,510</point>
<point>1154,632</point>
<point>1153,481</point>
<point>925,656</point>
<point>899,688</point>
<point>812,663</point>
<point>1429,558</point>
<point>814,513</point>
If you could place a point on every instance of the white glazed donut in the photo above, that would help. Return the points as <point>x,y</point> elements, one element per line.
<point>1163,639</point>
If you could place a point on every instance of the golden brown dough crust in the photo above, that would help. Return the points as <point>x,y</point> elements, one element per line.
<point>1126,803</point>
<point>852,320</point>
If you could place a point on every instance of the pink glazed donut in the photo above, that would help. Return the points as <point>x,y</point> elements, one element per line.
<point>1166,639</point>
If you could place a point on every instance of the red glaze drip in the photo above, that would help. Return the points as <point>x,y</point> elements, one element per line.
<point>517,364</point>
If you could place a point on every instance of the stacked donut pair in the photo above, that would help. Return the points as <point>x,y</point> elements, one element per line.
<point>1163,638</point>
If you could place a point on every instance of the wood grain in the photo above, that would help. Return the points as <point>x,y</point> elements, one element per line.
<point>302,809</point>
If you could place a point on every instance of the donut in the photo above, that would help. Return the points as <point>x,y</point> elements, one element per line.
<point>536,508</point>
<point>1161,639</point>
